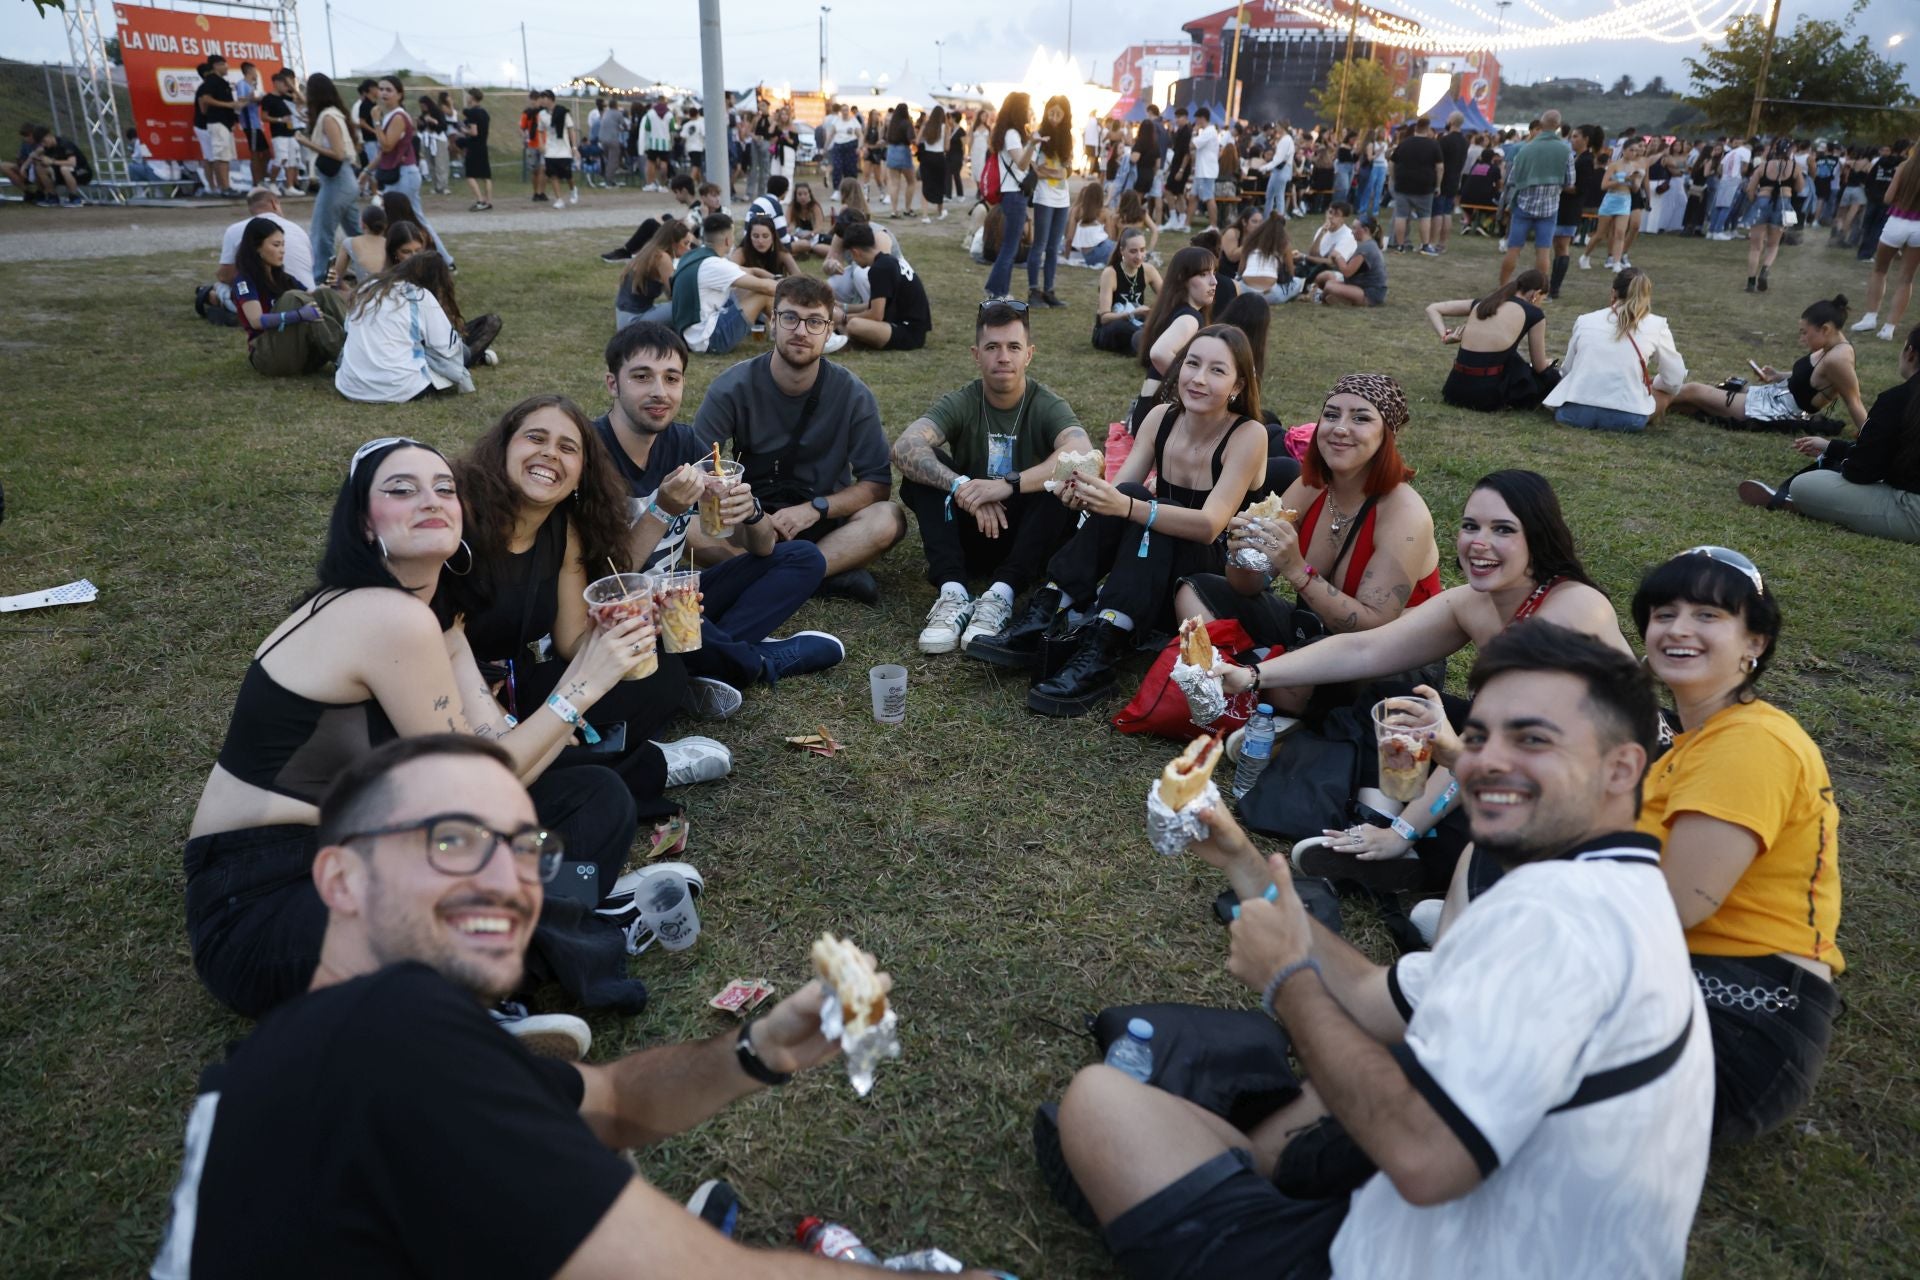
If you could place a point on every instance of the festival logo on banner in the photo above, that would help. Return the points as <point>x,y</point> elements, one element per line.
<point>160,49</point>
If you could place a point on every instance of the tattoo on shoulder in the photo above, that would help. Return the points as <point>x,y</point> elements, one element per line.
<point>440,703</point>
<point>483,731</point>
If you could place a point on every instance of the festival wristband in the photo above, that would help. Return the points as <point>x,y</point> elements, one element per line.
<point>1401,828</point>
<point>1146,534</point>
<point>571,714</point>
<point>1280,980</point>
<point>952,489</point>
<point>1439,806</point>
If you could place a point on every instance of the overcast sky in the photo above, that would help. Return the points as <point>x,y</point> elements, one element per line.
<point>777,40</point>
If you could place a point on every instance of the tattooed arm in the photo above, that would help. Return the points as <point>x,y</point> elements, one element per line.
<point>914,454</point>
<point>1403,553</point>
<point>1703,859</point>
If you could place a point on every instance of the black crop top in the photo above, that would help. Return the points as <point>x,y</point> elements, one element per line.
<point>1129,289</point>
<point>1800,384</point>
<point>293,745</point>
<point>1160,375</point>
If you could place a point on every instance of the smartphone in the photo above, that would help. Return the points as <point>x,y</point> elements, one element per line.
<point>1757,371</point>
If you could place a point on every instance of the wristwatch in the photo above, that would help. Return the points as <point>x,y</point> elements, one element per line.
<point>820,505</point>
<point>751,1063</point>
<point>759,512</point>
<point>1013,479</point>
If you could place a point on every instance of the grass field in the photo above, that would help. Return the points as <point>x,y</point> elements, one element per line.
<point>990,857</point>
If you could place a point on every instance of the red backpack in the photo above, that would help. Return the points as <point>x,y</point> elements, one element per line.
<point>989,184</point>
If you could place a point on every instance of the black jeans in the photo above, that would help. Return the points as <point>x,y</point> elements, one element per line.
<point>644,706</point>
<point>1038,525</point>
<point>1140,586</point>
<point>1765,1059</point>
<point>255,921</point>
<point>1116,335</point>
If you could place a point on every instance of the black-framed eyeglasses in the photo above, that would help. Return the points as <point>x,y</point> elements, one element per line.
<point>816,325</point>
<point>1733,560</point>
<point>459,844</point>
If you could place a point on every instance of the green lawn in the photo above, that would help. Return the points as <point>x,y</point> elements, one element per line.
<point>991,858</point>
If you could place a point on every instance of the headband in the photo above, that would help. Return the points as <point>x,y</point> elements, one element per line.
<point>1378,390</point>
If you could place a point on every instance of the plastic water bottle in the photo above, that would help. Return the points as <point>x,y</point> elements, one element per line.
<point>831,1240</point>
<point>1133,1052</point>
<point>1256,749</point>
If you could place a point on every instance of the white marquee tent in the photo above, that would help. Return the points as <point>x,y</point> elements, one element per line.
<point>400,58</point>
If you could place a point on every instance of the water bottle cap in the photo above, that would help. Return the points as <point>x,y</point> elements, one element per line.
<point>1140,1029</point>
<point>1265,710</point>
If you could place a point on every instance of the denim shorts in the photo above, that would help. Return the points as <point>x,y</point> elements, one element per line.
<point>899,156</point>
<point>1595,418</point>
<point>1203,188</point>
<point>1538,227</point>
<point>728,328</point>
<point>1445,204</point>
<point>1768,211</point>
<point>1565,232</point>
<point>1615,204</point>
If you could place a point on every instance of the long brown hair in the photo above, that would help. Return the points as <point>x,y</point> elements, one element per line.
<point>1270,240</point>
<point>1014,113</point>
<point>1181,270</point>
<point>1245,367</point>
<point>596,514</point>
<point>1087,206</point>
<point>427,270</point>
<point>1528,281</point>
<point>666,238</point>
<point>1904,191</point>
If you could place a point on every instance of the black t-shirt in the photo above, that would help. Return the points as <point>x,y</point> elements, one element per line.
<point>1413,162</point>
<point>672,449</point>
<point>1146,140</point>
<point>367,109</point>
<point>521,591</point>
<point>386,1127</point>
<point>1453,152</point>
<point>478,125</point>
<point>277,110</point>
<point>894,283</point>
<point>1880,177</point>
<point>1586,190</point>
<point>217,87</point>
<point>1182,143</point>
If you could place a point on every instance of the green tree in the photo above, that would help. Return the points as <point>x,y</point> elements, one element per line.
<point>1656,88</point>
<point>1370,100</point>
<point>1813,64</point>
<point>1623,87</point>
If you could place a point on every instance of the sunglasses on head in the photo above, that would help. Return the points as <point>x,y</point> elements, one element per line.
<point>1018,308</point>
<point>1733,560</point>
<point>375,446</point>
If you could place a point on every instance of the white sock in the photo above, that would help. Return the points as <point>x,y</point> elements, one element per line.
<point>1118,619</point>
<point>955,589</point>
<point>1002,590</point>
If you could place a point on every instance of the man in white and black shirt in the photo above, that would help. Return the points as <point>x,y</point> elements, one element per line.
<point>770,205</point>
<point>1537,1092</point>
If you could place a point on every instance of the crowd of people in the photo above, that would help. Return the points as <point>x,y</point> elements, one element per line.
<point>1624,946</point>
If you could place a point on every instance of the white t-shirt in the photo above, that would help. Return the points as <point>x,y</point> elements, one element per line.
<point>716,276</point>
<point>398,347</point>
<point>1260,266</point>
<point>693,134</point>
<point>299,262</point>
<point>1563,969</point>
<point>559,141</point>
<point>1339,242</point>
<point>1051,193</point>
<point>1734,163</point>
<point>847,129</point>
<point>1206,151</point>
<point>1282,155</point>
<point>1093,133</point>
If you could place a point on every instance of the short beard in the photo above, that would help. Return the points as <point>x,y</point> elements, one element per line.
<point>396,937</point>
<point>781,354</point>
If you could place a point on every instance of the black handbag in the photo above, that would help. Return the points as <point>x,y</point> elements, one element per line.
<point>387,177</point>
<point>328,166</point>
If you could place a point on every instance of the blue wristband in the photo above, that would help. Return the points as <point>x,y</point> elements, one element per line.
<point>1146,534</point>
<point>953,489</point>
<point>1271,895</point>
<point>1446,798</point>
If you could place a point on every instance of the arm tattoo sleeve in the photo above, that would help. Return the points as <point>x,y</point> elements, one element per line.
<point>913,454</point>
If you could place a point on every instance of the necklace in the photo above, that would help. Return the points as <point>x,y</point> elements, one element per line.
<point>1337,519</point>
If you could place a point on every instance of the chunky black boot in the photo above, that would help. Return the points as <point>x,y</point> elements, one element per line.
<point>1088,676</point>
<point>1018,643</point>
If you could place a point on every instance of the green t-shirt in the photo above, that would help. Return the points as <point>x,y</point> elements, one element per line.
<point>966,419</point>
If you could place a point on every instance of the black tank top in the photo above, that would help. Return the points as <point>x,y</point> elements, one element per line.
<point>1800,384</point>
<point>1130,289</point>
<point>1177,495</point>
<point>522,594</point>
<point>292,745</point>
<point>1182,310</point>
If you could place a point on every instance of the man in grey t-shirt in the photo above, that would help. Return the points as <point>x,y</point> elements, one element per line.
<point>809,433</point>
<point>1362,278</point>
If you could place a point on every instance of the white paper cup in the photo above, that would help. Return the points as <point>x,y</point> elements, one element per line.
<point>889,693</point>
<point>666,908</point>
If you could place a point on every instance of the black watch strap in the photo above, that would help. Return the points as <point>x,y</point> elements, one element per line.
<point>750,1061</point>
<point>759,512</point>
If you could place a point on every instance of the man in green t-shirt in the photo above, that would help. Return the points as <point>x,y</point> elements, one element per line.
<point>975,468</point>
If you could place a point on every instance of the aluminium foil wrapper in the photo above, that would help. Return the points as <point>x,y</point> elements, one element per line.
<point>865,1050</point>
<point>1170,831</point>
<point>1206,698</point>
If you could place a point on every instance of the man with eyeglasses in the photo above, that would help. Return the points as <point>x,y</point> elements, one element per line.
<point>381,1125</point>
<point>746,596</point>
<point>1008,429</point>
<point>809,434</point>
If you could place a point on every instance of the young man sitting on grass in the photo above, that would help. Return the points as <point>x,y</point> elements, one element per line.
<point>896,316</point>
<point>975,465</point>
<point>379,1123</point>
<point>716,300</point>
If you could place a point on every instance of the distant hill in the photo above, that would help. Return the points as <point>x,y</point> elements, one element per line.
<point>1652,113</point>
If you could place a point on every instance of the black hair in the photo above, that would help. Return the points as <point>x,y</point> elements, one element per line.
<point>1251,315</point>
<point>351,559</point>
<point>715,224</point>
<point>1827,311</point>
<point>645,335</point>
<point>1550,550</point>
<point>857,235</point>
<point>360,793</point>
<point>1618,688</point>
<point>270,281</point>
<point>777,185</point>
<point>681,182</point>
<point>996,315</point>
<point>1698,578</point>
<point>323,93</point>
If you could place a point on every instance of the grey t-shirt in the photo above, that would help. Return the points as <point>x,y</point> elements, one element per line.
<point>1372,278</point>
<point>843,441</point>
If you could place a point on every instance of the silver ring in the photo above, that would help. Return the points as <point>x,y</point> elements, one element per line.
<point>633,648</point>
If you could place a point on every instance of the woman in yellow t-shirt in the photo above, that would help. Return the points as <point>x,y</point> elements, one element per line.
<point>1744,806</point>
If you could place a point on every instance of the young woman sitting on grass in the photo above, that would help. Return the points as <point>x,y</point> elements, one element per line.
<point>305,332</point>
<point>361,659</point>
<point>646,286</point>
<point>1130,214</point>
<point>1092,241</point>
<point>1268,267</point>
<point>760,247</point>
<point>1490,373</point>
<point>1126,283</point>
<point>363,256</point>
<point>1819,378</point>
<point>405,337</point>
<point>1361,279</point>
<point>1183,307</point>
<point>403,240</point>
<point>1518,557</point>
<point>1621,367</point>
<point>1872,485</point>
<point>808,224</point>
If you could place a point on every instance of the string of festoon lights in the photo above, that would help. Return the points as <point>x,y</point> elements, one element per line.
<point>1662,21</point>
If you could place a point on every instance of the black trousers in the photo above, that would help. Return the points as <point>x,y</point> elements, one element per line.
<point>1038,525</point>
<point>1765,1061</point>
<point>1140,586</point>
<point>1116,335</point>
<point>644,706</point>
<point>255,921</point>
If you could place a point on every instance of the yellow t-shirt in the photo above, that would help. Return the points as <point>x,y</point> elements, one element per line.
<point>1753,765</point>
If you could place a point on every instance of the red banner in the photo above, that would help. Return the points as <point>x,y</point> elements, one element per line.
<point>160,49</point>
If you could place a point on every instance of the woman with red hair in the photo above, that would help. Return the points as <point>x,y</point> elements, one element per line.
<point>1363,550</point>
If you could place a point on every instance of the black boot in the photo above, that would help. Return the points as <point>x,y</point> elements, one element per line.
<point>1763,279</point>
<point>1559,274</point>
<point>1018,643</point>
<point>1088,676</point>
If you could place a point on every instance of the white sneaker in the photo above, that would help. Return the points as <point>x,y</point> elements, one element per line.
<point>942,217</point>
<point>1626,263</point>
<point>1425,916</point>
<point>1866,323</point>
<point>990,613</point>
<point>545,1035</point>
<point>1610,265</point>
<point>490,356</point>
<point>711,699</point>
<point>1586,263</point>
<point>945,621</point>
<point>691,760</point>
<point>1886,333</point>
<point>576,198</point>
<point>836,342</point>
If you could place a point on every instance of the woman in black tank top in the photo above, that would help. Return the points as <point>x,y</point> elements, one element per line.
<point>1125,283</point>
<point>1123,565</point>
<point>363,658</point>
<point>1776,181</point>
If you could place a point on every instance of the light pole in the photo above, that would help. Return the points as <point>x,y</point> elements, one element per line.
<point>939,63</point>
<point>713,87</point>
<point>1766,64</point>
<point>824,11</point>
<point>1346,71</point>
<point>333,64</point>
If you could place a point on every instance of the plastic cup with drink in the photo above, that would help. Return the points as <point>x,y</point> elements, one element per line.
<point>666,909</point>
<point>1405,729</point>
<point>720,474</point>
<point>617,597</point>
<point>678,596</point>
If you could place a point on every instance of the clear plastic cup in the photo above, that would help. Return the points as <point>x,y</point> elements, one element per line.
<point>1404,730</point>
<point>617,597</point>
<point>666,908</point>
<point>889,684</point>
<point>678,596</point>
<point>719,477</point>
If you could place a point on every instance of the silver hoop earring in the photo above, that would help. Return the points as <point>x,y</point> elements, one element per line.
<point>461,573</point>
<point>382,544</point>
<point>1749,664</point>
